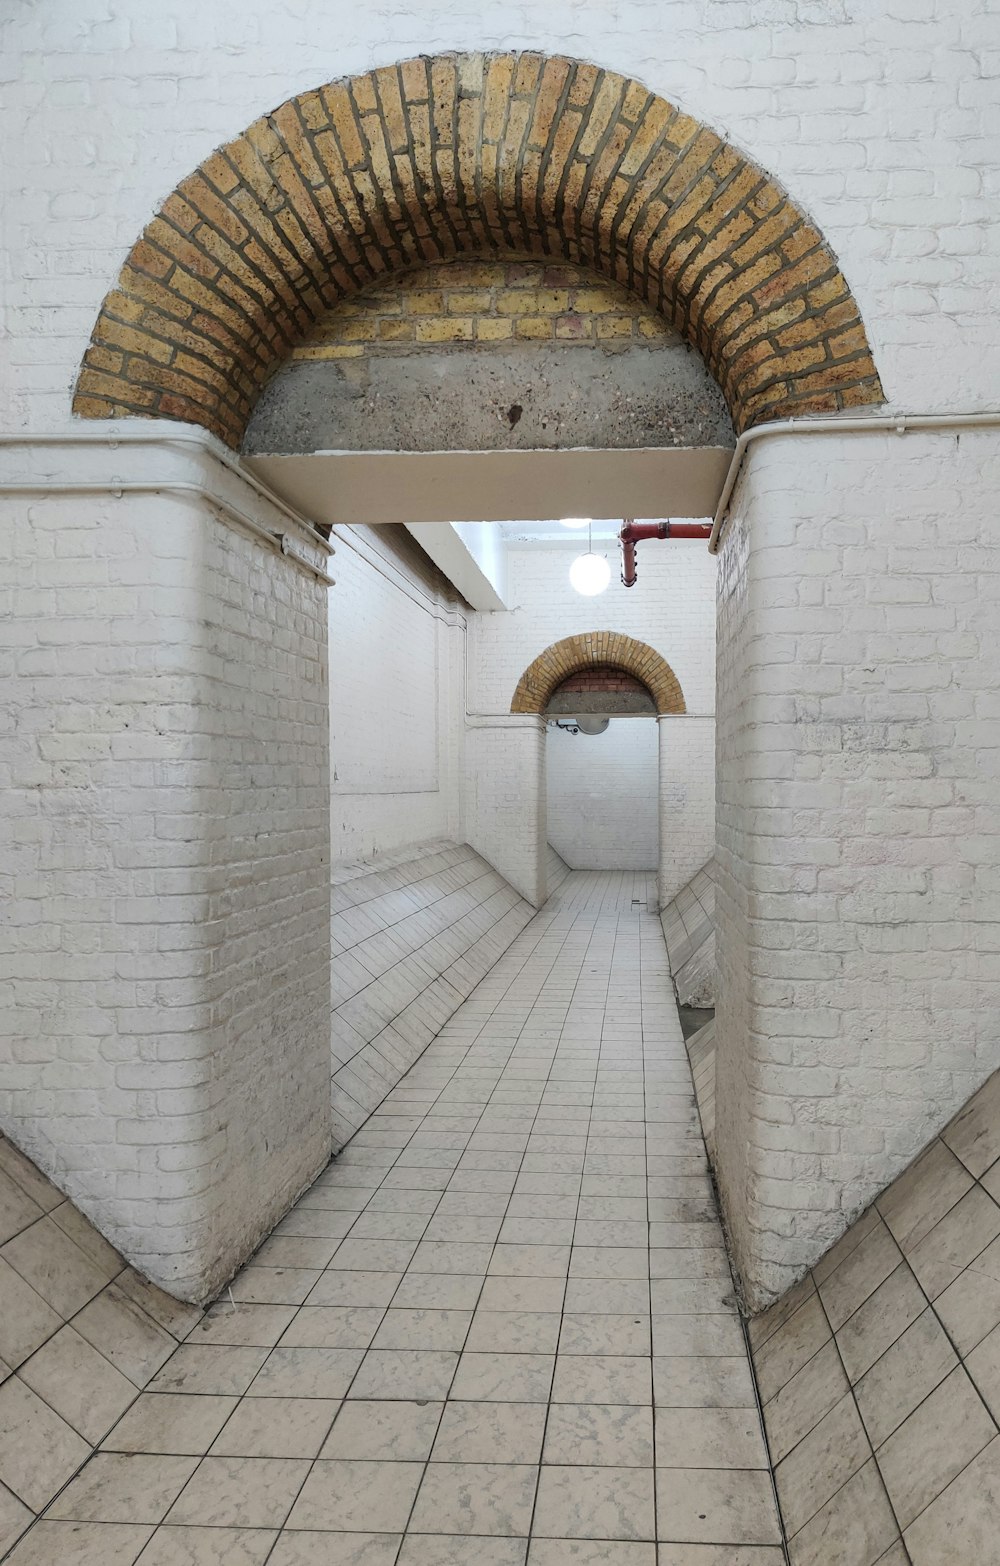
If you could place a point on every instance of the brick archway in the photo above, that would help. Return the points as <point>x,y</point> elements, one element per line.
<point>465,154</point>
<point>575,653</point>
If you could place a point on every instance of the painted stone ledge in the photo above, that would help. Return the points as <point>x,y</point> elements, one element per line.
<point>465,154</point>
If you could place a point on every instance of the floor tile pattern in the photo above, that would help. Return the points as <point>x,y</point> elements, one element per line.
<point>880,1372</point>
<point>411,936</point>
<point>499,1330</point>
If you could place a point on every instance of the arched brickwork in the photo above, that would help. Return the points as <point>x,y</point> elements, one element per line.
<point>597,648</point>
<point>472,154</point>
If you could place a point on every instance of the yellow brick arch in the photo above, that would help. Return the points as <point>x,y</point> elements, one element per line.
<point>472,154</point>
<point>573,654</point>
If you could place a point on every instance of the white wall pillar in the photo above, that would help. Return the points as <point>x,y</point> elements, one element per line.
<point>166,841</point>
<point>687,799</point>
<point>505,798</point>
<point>858,898</point>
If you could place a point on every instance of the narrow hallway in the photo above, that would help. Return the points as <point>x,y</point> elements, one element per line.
<point>498,1329</point>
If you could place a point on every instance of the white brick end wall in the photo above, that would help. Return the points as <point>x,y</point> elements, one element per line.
<point>858,903</point>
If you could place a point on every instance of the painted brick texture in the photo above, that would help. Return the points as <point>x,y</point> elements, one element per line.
<point>165,822</point>
<point>858,827</point>
<point>447,154</point>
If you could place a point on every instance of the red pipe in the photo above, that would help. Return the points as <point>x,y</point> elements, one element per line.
<point>633,533</point>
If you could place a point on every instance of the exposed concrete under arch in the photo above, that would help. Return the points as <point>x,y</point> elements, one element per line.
<point>453,155</point>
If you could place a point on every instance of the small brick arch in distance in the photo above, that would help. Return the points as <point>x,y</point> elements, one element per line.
<point>574,653</point>
<point>472,154</point>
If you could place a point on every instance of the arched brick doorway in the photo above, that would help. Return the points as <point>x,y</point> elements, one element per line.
<point>602,652</point>
<point>464,154</point>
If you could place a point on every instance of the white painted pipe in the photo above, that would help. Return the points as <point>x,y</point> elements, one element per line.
<point>114,487</point>
<point>901,423</point>
<point>129,435</point>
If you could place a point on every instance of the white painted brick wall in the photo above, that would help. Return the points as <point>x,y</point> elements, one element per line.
<point>163,784</point>
<point>879,118</point>
<point>858,896</point>
<point>504,799</point>
<point>397,696</point>
<point>603,796</point>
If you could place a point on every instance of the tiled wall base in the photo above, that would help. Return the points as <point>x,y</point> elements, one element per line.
<point>80,1336</point>
<point>689,931</point>
<point>880,1371</point>
<point>701,1054</point>
<point>556,870</point>
<point>411,938</point>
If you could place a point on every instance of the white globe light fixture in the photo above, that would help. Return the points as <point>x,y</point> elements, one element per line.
<point>590,574</point>
<point>575,522</point>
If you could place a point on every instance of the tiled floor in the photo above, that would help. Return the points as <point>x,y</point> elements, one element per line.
<point>881,1370</point>
<point>499,1329</point>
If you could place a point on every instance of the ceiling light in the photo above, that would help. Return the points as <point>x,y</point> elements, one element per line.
<point>592,724</point>
<point>575,522</point>
<point>590,574</point>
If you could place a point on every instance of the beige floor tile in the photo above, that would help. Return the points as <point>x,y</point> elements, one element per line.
<point>855,1525</point>
<point>513,1332</point>
<point>974,1134</point>
<point>606,1297</point>
<point>290,1250</point>
<point>524,1294</point>
<point>424,1291</point>
<point>31,1180</point>
<point>55,1267</point>
<point>262,1284</point>
<point>243,1326</point>
<point>170,1422</point>
<point>922,1195</point>
<point>859,1274</point>
<point>81,1544</point>
<point>384,1431</point>
<point>475,1498</point>
<point>438,1549</point>
<point>38,1450</point>
<point>921,1458</point>
<point>877,1324</point>
<point>82,1386</point>
<point>83,1234</point>
<point>599,1434</point>
<point>720,1555</point>
<point>193,1546</point>
<point>602,1378</point>
<point>955,1241</point>
<point>332,1326</point>
<point>961,1527</point>
<point>217,1370</point>
<point>709,1438</point>
<point>715,1506</point>
<point>585,1552</point>
<point>354,1288</point>
<point>335,1549</point>
<point>823,1461</point>
<point>275,1427</point>
<point>17,1210</point>
<point>117,1487</point>
<point>404,1373</point>
<point>791,1346</point>
<point>595,1334</point>
<point>240,1492</point>
<point>505,1378</point>
<point>915,1364</point>
<point>14,1517</point>
<point>357,1497</point>
<point>970,1307</point>
<point>26,1322</point>
<point>125,1334</point>
<point>767,1323</point>
<point>710,1381</point>
<point>490,1432</point>
<point>422,1329</point>
<point>696,1337</point>
<point>581,1502</point>
<point>802,1402</point>
<point>174,1316</point>
<point>307,1372</point>
<point>983,1365</point>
